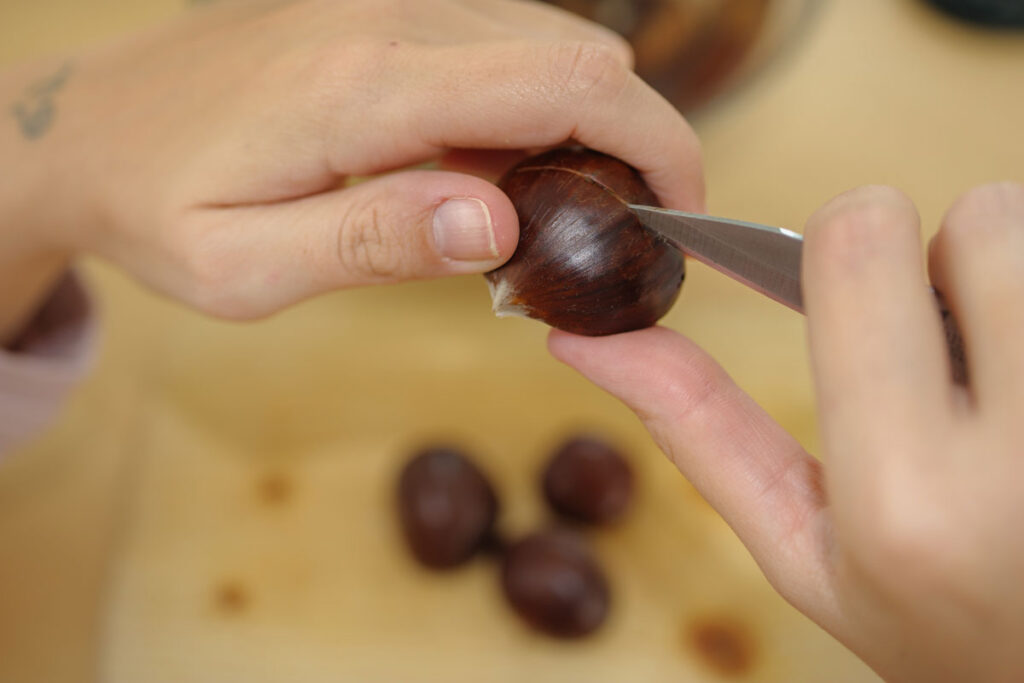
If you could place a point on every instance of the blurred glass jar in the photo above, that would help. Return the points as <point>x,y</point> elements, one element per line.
<point>694,50</point>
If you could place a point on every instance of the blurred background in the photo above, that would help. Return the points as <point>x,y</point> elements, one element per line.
<point>216,504</point>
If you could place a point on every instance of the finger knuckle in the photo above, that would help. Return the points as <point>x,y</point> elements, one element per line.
<point>366,249</point>
<point>625,49</point>
<point>360,63</point>
<point>859,226</point>
<point>693,388</point>
<point>990,210</point>
<point>897,540</point>
<point>405,12</point>
<point>589,71</point>
<point>901,541</point>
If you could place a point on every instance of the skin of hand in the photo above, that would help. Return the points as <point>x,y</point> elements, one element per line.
<point>903,542</point>
<point>212,157</point>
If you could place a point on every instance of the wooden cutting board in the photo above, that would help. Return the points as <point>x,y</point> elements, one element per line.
<point>216,503</point>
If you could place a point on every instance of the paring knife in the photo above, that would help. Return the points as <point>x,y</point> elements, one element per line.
<point>764,258</point>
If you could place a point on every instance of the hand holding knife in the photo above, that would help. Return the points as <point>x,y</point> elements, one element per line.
<point>764,258</point>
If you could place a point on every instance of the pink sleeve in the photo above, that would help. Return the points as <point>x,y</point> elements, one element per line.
<point>51,356</point>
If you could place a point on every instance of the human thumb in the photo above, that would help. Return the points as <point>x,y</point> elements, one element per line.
<point>402,226</point>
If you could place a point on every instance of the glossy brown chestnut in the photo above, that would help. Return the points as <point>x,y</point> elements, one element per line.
<point>588,480</point>
<point>584,263</point>
<point>446,506</point>
<point>554,583</point>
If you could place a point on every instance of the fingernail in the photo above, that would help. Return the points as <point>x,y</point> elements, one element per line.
<point>463,231</point>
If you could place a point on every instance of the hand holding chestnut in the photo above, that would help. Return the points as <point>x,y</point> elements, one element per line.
<point>235,200</point>
<point>903,541</point>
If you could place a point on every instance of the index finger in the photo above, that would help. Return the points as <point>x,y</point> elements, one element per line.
<point>515,95</point>
<point>875,333</point>
<point>757,476</point>
<point>550,22</point>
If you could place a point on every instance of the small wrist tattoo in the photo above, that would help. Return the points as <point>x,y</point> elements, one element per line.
<point>37,109</point>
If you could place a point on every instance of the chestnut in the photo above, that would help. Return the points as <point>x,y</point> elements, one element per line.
<point>584,263</point>
<point>553,582</point>
<point>446,507</point>
<point>588,480</point>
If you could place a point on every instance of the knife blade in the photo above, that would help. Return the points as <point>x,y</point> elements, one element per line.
<point>762,257</point>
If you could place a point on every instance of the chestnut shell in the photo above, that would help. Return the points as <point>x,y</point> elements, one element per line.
<point>554,583</point>
<point>446,506</point>
<point>584,263</point>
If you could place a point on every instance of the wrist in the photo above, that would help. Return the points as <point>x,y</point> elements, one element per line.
<point>33,254</point>
<point>41,159</point>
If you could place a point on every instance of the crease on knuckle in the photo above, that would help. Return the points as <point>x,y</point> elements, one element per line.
<point>692,391</point>
<point>797,471</point>
<point>590,71</point>
<point>698,391</point>
<point>365,248</point>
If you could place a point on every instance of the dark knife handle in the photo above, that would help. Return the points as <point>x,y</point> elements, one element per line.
<point>954,340</point>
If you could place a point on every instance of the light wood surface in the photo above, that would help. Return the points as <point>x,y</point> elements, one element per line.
<point>215,503</point>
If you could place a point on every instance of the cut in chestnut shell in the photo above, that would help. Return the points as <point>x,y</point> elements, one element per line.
<point>447,507</point>
<point>584,263</point>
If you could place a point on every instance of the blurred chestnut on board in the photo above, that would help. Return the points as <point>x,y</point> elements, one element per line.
<point>446,506</point>
<point>588,480</point>
<point>584,263</point>
<point>554,583</point>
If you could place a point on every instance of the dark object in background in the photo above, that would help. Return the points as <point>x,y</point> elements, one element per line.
<point>554,583</point>
<point>1007,13</point>
<point>447,507</point>
<point>686,49</point>
<point>588,480</point>
<point>584,263</point>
